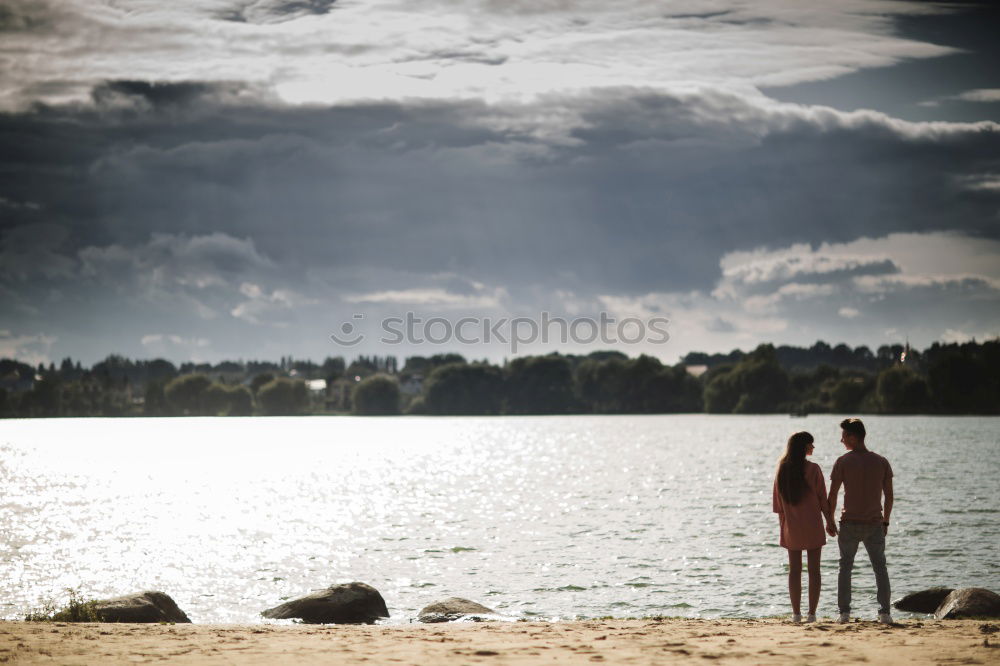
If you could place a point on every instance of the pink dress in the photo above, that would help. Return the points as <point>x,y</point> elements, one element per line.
<point>802,523</point>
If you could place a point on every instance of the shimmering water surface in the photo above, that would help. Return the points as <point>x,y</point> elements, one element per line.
<point>549,517</point>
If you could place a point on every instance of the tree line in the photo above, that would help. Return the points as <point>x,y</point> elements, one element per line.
<point>942,379</point>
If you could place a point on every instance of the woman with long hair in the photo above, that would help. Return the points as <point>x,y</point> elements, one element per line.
<point>799,499</point>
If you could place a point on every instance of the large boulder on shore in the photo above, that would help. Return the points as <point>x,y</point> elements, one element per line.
<point>924,601</point>
<point>969,602</point>
<point>151,606</point>
<point>453,608</point>
<point>351,603</point>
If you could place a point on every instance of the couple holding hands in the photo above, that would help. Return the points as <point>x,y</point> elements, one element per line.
<point>802,504</point>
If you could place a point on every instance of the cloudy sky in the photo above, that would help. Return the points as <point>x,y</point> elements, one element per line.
<point>210,179</point>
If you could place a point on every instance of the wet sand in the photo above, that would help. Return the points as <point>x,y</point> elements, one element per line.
<point>594,641</point>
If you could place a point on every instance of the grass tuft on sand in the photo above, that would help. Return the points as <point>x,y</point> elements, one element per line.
<point>77,609</point>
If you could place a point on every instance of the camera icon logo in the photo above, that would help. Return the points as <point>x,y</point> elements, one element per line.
<point>349,336</point>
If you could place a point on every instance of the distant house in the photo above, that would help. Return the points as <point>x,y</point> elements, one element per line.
<point>412,385</point>
<point>14,382</point>
<point>316,386</point>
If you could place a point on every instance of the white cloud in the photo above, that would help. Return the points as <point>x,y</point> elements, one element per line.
<point>30,349</point>
<point>697,322</point>
<point>171,345</point>
<point>987,95</point>
<point>959,336</point>
<point>904,258</point>
<point>791,291</point>
<point>431,297</point>
<point>982,182</point>
<point>763,267</point>
<point>389,49</point>
<point>158,339</point>
<point>568,301</point>
<point>967,283</point>
<point>761,296</point>
<point>979,95</point>
<point>951,335</point>
<point>848,312</point>
<point>763,281</point>
<point>268,307</point>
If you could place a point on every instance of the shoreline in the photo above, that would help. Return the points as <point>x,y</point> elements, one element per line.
<point>595,641</point>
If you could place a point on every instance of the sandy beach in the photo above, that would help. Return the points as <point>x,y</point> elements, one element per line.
<point>602,641</point>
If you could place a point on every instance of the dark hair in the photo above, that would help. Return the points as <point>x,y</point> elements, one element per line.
<point>792,468</point>
<point>853,427</point>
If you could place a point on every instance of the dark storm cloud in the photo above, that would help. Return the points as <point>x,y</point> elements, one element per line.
<point>481,57</point>
<point>790,174</point>
<point>19,17</point>
<point>34,17</point>
<point>43,15</point>
<point>275,11</point>
<point>201,212</point>
<point>489,156</point>
<point>196,260</point>
<point>147,95</point>
<point>632,190</point>
<point>33,251</point>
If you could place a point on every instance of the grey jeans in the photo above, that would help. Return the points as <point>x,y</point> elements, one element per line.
<point>851,534</point>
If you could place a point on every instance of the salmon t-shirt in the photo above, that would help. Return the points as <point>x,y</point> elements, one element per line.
<point>802,524</point>
<point>864,475</point>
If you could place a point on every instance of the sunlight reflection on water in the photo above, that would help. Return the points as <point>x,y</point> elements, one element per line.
<point>536,516</point>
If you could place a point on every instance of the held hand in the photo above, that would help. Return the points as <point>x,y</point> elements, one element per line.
<point>831,529</point>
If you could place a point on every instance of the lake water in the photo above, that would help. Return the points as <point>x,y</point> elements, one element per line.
<point>544,517</point>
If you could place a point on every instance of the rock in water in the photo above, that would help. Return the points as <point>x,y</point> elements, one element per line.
<point>452,608</point>
<point>149,606</point>
<point>924,601</point>
<point>969,602</point>
<point>353,603</point>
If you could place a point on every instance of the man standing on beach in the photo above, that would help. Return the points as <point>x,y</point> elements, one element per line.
<point>866,477</point>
